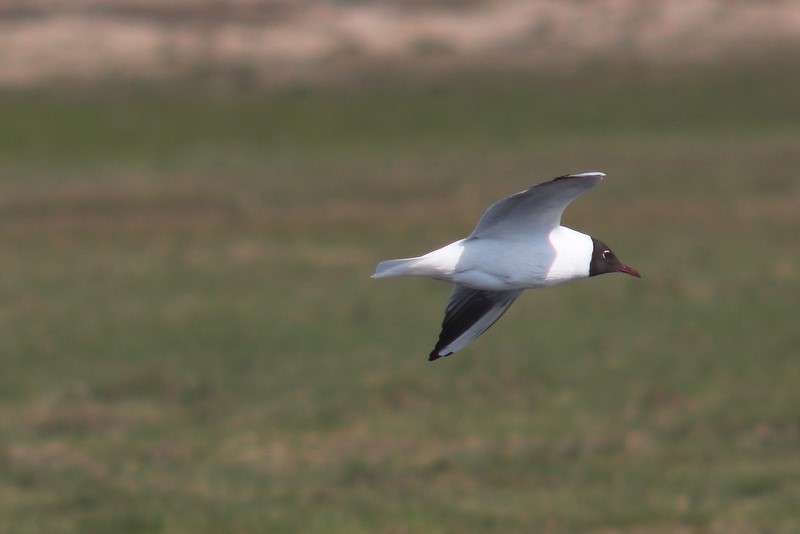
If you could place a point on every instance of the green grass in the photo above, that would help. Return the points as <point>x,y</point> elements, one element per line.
<point>191,342</point>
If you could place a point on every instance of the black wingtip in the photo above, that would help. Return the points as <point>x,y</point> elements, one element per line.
<point>434,355</point>
<point>589,174</point>
<point>440,344</point>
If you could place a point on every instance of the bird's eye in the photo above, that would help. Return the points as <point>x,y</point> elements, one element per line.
<point>607,254</point>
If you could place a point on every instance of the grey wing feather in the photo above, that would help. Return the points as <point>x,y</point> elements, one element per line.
<point>470,312</point>
<point>538,208</point>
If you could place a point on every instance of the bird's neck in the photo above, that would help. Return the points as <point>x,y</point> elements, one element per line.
<point>573,255</point>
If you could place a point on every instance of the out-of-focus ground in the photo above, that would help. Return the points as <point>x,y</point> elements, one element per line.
<point>281,41</point>
<point>190,341</point>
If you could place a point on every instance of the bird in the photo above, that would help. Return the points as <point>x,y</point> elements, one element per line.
<point>517,244</point>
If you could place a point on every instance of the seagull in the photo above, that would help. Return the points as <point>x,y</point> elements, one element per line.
<point>518,244</point>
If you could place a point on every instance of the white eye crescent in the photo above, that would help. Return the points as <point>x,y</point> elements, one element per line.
<point>607,254</point>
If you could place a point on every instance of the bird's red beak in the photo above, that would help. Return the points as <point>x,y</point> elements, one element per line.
<point>628,270</point>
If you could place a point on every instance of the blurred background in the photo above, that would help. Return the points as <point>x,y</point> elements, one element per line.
<point>193,195</point>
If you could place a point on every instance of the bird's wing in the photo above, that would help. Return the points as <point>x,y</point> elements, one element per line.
<point>537,209</point>
<point>469,313</point>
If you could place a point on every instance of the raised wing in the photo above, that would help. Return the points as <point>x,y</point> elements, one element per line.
<point>537,209</point>
<point>469,313</point>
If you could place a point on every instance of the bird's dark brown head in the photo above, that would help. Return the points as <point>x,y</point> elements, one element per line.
<point>605,261</point>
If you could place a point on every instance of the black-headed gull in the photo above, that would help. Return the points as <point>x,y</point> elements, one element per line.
<point>518,244</point>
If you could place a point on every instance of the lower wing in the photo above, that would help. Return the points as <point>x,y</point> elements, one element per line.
<point>469,313</point>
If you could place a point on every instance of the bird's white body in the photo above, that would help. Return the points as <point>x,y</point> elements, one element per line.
<point>502,265</point>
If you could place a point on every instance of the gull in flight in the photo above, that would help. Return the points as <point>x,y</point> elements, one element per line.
<point>518,244</point>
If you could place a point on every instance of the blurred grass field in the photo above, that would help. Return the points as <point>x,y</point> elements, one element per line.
<point>191,341</point>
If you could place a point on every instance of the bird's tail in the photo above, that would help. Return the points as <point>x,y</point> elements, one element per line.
<point>404,267</point>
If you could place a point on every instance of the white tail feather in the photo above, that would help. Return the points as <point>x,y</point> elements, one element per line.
<point>404,267</point>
